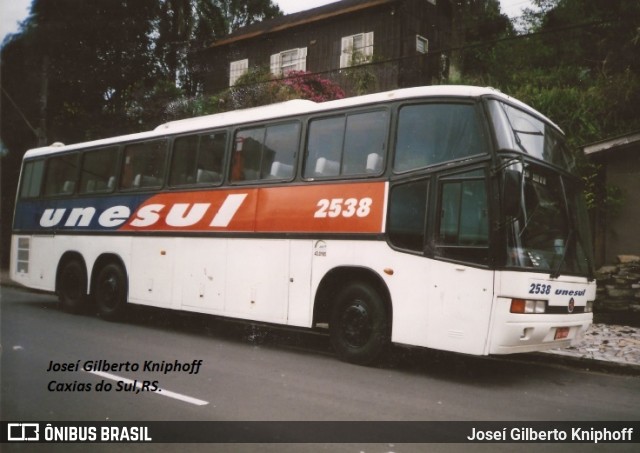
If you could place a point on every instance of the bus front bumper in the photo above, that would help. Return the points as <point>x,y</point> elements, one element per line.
<point>514,333</point>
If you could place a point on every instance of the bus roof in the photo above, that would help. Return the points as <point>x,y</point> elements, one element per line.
<point>283,110</point>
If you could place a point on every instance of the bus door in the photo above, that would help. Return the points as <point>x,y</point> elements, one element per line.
<point>461,287</point>
<point>459,311</point>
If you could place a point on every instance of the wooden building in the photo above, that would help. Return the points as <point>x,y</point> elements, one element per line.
<point>616,233</point>
<point>395,43</point>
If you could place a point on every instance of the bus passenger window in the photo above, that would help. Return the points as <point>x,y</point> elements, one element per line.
<point>407,215</point>
<point>99,170</point>
<point>281,147</point>
<point>245,165</point>
<point>430,134</point>
<point>364,143</point>
<point>211,158</point>
<point>265,153</point>
<point>347,145</point>
<point>144,165</point>
<point>324,147</point>
<point>61,175</point>
<point>198,159</point>
<point>183,161</point>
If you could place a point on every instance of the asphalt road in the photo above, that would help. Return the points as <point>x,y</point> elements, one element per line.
<point>257,373</point>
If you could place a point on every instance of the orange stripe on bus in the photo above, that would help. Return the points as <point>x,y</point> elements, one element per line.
<point>327,208</point>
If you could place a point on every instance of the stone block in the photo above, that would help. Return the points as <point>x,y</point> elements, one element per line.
<point>626,259</point>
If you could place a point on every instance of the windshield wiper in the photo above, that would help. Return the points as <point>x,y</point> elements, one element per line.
<point>555,274</point>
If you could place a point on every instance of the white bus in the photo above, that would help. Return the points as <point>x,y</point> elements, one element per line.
<point>445,217</point>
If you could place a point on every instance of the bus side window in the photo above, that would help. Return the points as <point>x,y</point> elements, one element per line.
<point>198,159</point>
<point>211,158</point>
<point>247,155</point>
<point>324,147</point>
<point>144,165</point>
<point>406,223</point>
<point>61,174</point>
<point>98,173</point>
<point>353,144</point>
<point>280,150</point>
<point>183,161</point>
<point>32,178</point>
<point>265,152</point>
<point>364,143</point>
<point>430,134</point>
<point>463,231</point>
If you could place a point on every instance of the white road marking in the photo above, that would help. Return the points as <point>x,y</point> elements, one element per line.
<point>159,391</point>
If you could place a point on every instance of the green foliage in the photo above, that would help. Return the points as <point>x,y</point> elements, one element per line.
<point>578,62</point>
<point>255,88</point>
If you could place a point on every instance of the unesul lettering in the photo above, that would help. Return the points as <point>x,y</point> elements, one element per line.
<point>178,215</point>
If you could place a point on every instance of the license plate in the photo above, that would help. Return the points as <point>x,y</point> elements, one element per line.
<point>561,333</point>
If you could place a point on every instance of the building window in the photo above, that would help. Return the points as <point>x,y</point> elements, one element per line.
<point>422,44</point>
<point>356,49</point>
<point>237,69</point>
<point>289,60</point>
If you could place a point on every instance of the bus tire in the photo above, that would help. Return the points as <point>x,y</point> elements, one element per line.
<point>111,289</point>
<point>359,324</point>
<point>72,285</point>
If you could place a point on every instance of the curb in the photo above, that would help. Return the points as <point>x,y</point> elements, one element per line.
<point>586,364</point>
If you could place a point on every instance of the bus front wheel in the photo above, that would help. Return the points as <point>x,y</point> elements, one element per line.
<point>359,326</point>
<point>72,285</point>
<point>111,292</point>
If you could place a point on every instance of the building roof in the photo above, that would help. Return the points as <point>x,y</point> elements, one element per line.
<point>620,142</point>
<point>297,19</point>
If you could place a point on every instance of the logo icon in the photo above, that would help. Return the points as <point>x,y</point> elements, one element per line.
<point>26,432</point>
<point>572,305</point>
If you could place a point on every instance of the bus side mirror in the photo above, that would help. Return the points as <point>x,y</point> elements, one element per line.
<point>511,193</point>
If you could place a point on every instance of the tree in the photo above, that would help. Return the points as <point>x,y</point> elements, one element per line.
<point>477,23</point>
<point>185,26</point>
<point>85,69</point>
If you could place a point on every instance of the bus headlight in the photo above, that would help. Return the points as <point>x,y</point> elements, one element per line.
<point>589,307</point>
<point>528,306</point>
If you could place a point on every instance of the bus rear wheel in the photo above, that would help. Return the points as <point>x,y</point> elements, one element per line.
<point>111,292</point>
<point>72,285</point>
<point>359,325</point>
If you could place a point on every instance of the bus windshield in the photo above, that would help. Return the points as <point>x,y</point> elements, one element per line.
<point>520,131</point>
<point>546,221</point>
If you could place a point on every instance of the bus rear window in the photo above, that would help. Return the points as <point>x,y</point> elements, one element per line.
<point>32,179</point>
